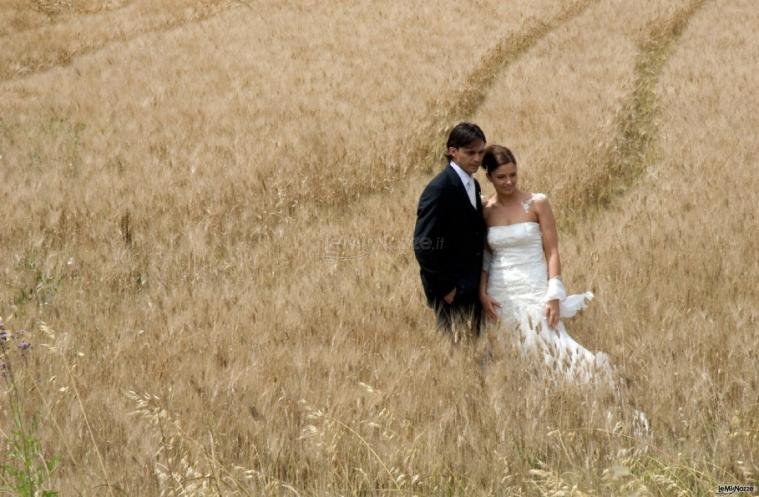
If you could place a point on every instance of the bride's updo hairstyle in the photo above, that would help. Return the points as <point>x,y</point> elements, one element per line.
<point>495,156</point>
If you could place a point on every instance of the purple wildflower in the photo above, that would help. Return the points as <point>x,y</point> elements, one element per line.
<point>4,336</point>
<point>24,345</point>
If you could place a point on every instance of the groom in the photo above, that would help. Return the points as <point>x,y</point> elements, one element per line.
<point>449,233</point>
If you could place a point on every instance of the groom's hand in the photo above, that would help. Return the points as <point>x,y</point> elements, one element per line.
<point>489,305</point>
<point>451,295</point>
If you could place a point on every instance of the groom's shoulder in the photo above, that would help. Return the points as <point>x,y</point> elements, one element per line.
<point>437,188</point>
<point>441,178</point>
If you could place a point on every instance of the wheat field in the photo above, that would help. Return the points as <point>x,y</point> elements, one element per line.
<point>206,245</point>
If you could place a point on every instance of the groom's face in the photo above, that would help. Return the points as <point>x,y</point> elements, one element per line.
<point>468,157</point>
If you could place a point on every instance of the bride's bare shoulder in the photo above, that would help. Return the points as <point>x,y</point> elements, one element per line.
<point>538,199</point>
<point>541,205</point>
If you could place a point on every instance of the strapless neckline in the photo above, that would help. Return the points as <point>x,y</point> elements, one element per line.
<point>512,224</point>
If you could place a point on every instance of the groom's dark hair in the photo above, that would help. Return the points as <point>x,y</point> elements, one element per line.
<point>462,135</point>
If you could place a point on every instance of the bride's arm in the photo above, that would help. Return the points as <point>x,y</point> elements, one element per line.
<point>489,304</point>
<point>547,223</point>
<point>486,257</point>
<point>483,282</point>
<point>550,236</point>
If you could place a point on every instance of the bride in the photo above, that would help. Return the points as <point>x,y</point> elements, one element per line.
<point>521,282</point>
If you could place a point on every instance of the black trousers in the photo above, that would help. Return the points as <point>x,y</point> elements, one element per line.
<point>462,314</point>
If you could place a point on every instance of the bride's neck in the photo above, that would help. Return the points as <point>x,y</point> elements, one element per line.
<point>509,198</point>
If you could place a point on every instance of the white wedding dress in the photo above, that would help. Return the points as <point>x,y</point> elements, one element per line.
<point>518,280</point>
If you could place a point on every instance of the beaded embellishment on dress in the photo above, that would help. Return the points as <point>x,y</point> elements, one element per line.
<point>527,203</point>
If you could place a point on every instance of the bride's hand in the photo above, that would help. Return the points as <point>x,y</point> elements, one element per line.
<point>489,304</point>
<point>552,313</point>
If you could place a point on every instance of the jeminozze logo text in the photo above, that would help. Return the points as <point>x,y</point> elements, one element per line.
<point>734,489</point>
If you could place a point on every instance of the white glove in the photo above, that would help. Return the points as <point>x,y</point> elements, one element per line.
<point>556,290</point>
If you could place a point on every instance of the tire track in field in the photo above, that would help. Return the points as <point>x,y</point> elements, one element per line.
<point>422,149</point>
<point>626,156</point>
<point>65,19</point>
<point>16,68</point>
<point>465,100</point>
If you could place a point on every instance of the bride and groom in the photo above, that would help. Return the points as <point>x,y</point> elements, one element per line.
<point>500,259</point>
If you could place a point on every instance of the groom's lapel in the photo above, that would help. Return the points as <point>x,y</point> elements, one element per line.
<point>478,196</point>
<point>454,178</point>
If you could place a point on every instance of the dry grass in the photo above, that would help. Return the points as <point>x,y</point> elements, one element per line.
<point>257,104</point>
<point>296,357</point>
<point>37,46</point>
<point>681,237</point>
<point>21,15</point>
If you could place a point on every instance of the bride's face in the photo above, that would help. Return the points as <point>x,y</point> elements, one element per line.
<point>504,179</point>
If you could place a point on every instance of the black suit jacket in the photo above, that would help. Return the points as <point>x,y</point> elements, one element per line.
<point>449,238</point>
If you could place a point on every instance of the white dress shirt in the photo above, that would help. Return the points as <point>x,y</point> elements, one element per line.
<point>467,181</point>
